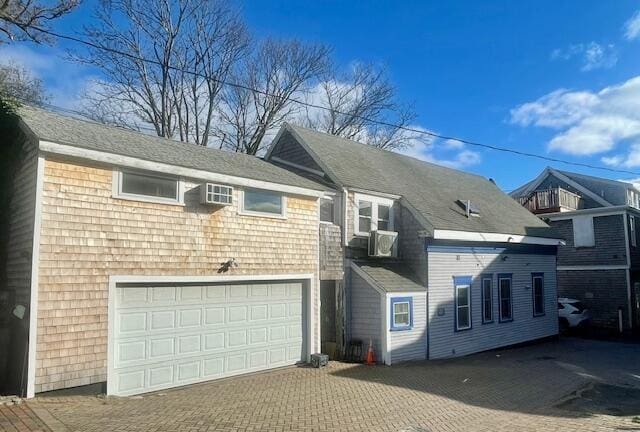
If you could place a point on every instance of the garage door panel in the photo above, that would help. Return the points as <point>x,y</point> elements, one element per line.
<point>175,335</point>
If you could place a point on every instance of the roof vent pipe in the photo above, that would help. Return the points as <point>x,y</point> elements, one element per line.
<point>468,208</point>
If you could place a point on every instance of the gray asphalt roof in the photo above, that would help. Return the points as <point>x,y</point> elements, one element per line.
<point>391,276</point>
<point>90,135</point>
<point>432,190</point>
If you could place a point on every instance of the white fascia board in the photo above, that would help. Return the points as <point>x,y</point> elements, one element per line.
<point>394,294</point>
<point>494,237</point>
<point>598,211</point>
<point>592,267</point>
<point>131,162</point>
<point>383,195</point>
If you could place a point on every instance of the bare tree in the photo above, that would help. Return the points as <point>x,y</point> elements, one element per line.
<point>354,105</point>
<point>270,78</point>
<point>19,83</point>
<point>178,52</point>
<point>24,19</point>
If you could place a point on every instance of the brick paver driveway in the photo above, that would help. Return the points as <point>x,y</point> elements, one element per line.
<point>509,390</point>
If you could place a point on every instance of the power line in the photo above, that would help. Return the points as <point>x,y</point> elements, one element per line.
<point>320,107</point>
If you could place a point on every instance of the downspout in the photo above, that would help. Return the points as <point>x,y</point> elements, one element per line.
<point>426,259</point>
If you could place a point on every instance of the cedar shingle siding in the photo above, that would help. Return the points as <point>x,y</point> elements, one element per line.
<point>88,236</point>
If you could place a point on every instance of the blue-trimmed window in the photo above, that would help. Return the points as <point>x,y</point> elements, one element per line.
<point>505,295</point>
<point>487,298</point>
<point>462,285</point>
<point>537,291</point>
<point>401,315</point>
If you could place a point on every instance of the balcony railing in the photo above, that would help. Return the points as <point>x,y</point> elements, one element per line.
<point>550,200</point>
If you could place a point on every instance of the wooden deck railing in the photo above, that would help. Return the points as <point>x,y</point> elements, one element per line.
<point>555,199</point>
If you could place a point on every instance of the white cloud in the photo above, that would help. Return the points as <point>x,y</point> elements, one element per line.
<point>65,81</point>
<point>593,55</point>
<point>589,123</point>
<point>454,144</point>
<point>439,152</point>
<point>632,27</point>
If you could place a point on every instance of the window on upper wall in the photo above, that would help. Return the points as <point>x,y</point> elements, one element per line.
<point>537,288</point>
<point>462,285</point>
<point>632,231</point>
<point>373,214</point>
<point>263,203</point>
<point>144,186</point>
<point>506,297</point>
<point>401,313</point>
<point>583,233</point>
<point>487,299</point>
<point>327,210</point>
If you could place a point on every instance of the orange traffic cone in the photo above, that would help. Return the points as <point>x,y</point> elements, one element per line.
<point>371,356</point>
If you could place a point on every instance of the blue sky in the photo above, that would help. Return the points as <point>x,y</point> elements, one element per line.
<point>560,78</point>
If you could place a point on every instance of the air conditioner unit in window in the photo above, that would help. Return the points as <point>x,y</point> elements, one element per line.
<point>381,243</point>
<point>215,194</point>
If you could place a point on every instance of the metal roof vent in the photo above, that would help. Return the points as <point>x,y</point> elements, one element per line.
<point>469,208</point>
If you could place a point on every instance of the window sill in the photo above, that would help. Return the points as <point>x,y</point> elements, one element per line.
<point>397,329</point>
<point>458,330</point>
<point>539,315</point>
<point>262,215</point>
<point>488,322</point>
<point>505,321</point>
<point>147,200</point>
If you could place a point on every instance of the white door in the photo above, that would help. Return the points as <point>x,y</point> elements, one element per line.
<point>166,336</point>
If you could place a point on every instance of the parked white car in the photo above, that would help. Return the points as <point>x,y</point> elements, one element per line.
<point>572,313</point>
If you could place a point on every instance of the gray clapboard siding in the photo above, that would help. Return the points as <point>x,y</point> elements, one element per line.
<point>366,314</point>
<point>444,341</point>
<point>411,344</point>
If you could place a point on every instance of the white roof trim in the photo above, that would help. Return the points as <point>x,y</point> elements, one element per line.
<point>597,211</point>
<point>494,237</point>
<point>592,267</point>
<point>132,162</point>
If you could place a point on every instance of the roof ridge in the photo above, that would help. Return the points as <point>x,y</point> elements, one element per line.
<point>385,151</point>
<point>158,138</point>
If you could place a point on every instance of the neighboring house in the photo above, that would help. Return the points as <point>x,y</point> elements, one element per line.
<point>438,262</point>
<point>149,263</point>
<point>598,218</point>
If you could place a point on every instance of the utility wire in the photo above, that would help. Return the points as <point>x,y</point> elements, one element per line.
<point>316,106</point>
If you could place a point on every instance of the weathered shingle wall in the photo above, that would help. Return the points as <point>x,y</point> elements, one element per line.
<point>609,246</point>
<point>331,258</point>
<point>88,236</point>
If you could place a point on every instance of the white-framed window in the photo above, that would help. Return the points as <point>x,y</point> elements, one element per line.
<point>259,202</point>
<point>505,295</point>
<point>327,210</point>
<point>537,288</point>
<point>632,231</point>
<point>462,285</point>
<point>372,213</point>
<point>633,198</point>
<point>401,313</point>
<point>487,298</point>
<point>146,186</point>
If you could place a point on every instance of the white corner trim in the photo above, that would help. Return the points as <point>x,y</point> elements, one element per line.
<point>35,264</point>
<point>115,280</point>
<point>494,237</point>
<point>592,267</point>
<point>385,341</point>
<point>344,204</point>
<point>131,162</point>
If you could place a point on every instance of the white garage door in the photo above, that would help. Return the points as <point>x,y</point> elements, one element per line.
<point>167,336</point>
